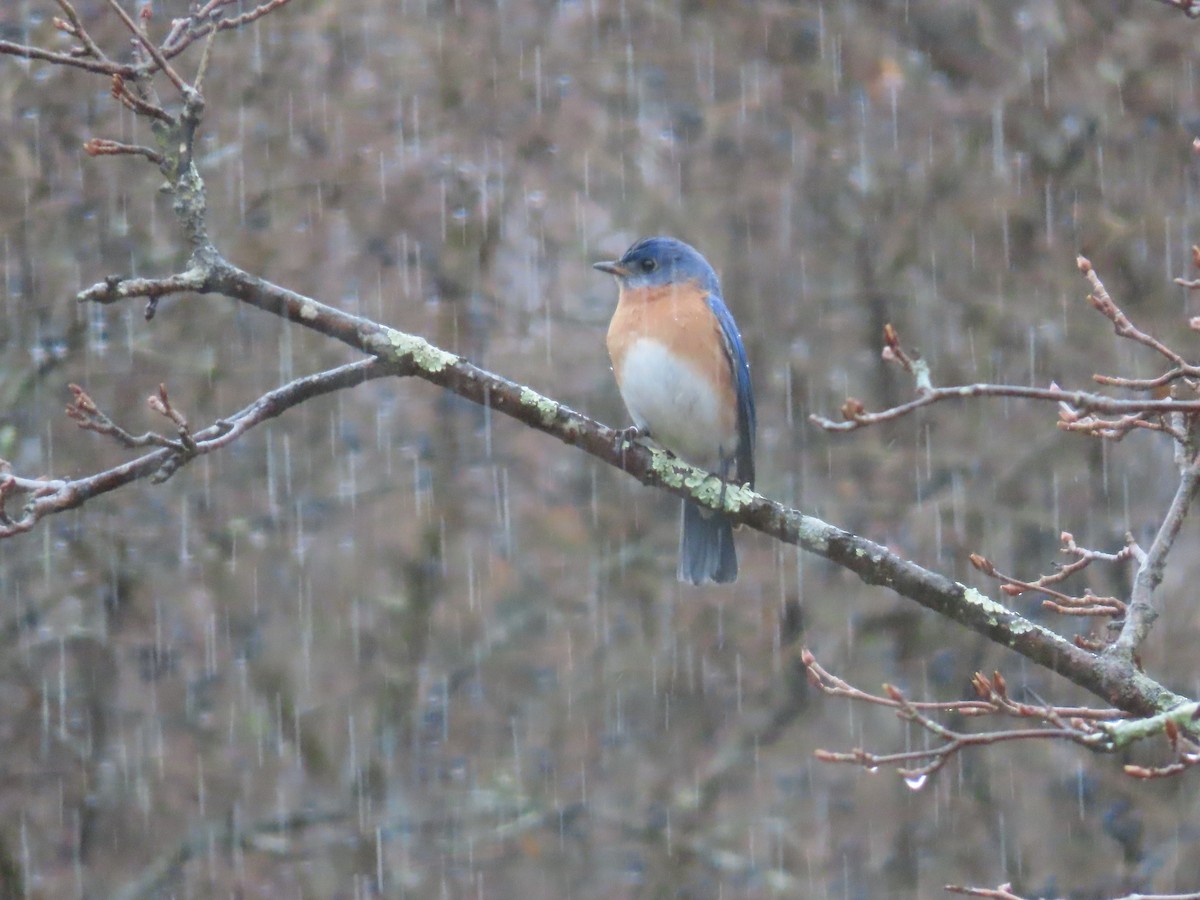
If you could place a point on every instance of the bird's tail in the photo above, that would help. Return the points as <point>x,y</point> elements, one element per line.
<point>706,551</point>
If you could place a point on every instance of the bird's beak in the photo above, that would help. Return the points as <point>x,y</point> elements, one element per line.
<point>612,268</point>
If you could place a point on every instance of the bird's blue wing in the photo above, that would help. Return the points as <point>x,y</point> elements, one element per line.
<point>744,390</point>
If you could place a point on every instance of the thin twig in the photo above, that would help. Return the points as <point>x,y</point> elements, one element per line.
<point>1060,723</point>
<point>105,147</point>
<point>1081,400</point>
<point>80,32</point>
<point>1112,429</point>
<point>100,66</point>
<point>139,105</point>
<point>87,415</point>
<point>155,53</point>
<point>1100,299</point>
<point>1087,605</point>
<point>182,37</point>
<point>996,699</point>
<point>44,498</point>
<point>205,56</point>
<point>1141,612</point>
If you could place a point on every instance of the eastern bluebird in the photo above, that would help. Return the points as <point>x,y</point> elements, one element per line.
<point>682,372</point>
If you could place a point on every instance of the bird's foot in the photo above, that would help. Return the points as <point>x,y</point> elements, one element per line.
<point>631,434</point>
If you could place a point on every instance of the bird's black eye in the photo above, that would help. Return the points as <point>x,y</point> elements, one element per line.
<point>649,265</point>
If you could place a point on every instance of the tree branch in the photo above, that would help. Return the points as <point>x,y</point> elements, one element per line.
<point>1080,401</point>
<point>47,497</point>
<point>406,354</point>
<point>1141,613</point>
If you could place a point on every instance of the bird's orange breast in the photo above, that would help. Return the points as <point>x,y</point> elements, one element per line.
<point>677,317</point>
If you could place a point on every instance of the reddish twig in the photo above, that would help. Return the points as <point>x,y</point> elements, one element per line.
<point>46,497</point>
<point>1152,563</point>
<point>148,45</point>
<point>1106,730</point>
<point>74,26</point>
<point>992,691</point>
<point>1085,401</point>
<point>1081,726</point>
<point>1147,773</point>
<point>1100,299</point>
<point>185,31</point>
<point>105,147</point>
<point>87,415</point>
<point>100,66</point>
<point>894,352</point>
<point>1086,605</point>
<point>139,105</point>
<point>1112,429</point>
<point>1077,409</point>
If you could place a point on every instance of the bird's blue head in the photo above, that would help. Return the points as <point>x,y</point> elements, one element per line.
<point>659,261</point>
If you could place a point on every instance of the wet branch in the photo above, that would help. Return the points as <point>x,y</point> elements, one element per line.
<point>101,66</point>
<point>1170,406</point>
<point>39,497</point>
<point>1088,604</point>
<point>405,354</point>
<point>1099,730</point>
<point>1076,408</point>
<point>1081,725</point>
<point>1141,614</point>
<point>1078,401</point>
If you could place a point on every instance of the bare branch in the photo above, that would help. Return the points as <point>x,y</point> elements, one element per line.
<point>1079,400</point>
<point>1086,605</point>
<point>89,417</point>
<point>991,690</point>
<point>1142,614</point>
<point>187,31</point>
<point>43,498</point>
<point>1100,299</point>
<point>138,105</point>
<point>1076,407</point>
<point>114,288</point>
<point>159,60</point>
<point>407,354</point>
<point>1085,727</point>
<point>78,31</point>
<point>104,147</point>
<point>102,66</point>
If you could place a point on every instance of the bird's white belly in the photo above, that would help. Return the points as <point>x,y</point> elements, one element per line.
<point>675,403</point>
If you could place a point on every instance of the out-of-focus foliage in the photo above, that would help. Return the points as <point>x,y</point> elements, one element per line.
<point>450,652</point>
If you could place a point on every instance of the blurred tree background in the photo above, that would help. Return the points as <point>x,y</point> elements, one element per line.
<point>390,645</point>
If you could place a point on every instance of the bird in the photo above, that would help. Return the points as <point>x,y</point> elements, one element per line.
<point>682,373</point>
